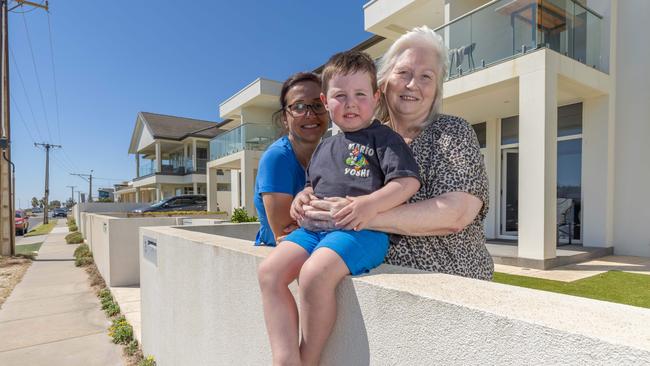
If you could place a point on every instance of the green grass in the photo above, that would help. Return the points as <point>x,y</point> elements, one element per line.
<point>614,286</point>
<point>28,249</point>
<point>42,229</point>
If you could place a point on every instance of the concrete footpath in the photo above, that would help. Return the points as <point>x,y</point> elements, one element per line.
<point>53,317</point>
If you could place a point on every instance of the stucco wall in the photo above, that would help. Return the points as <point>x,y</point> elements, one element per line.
<point>104,207</point>
<point>114,243</point>
<point>632,170</point>
<point>201,306</point>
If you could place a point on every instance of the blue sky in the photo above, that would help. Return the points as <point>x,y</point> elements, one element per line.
<point>114,59</point>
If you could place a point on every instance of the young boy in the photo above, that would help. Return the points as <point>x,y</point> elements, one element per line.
<point>367,160</point>
<point>370,164</point>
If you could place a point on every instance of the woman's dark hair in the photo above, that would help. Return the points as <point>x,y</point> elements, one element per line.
<point>294,79</point>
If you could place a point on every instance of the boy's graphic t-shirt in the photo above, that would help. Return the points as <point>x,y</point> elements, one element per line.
<point>360,162</point>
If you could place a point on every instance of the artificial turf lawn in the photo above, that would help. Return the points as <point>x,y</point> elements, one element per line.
<point>42,229</point>
<point>28,249</point>
<point>614,286</point>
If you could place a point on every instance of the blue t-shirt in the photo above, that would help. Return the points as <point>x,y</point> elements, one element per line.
<point>278,172</point>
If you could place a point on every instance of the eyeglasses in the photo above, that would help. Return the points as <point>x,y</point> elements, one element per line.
<point>300,109</point>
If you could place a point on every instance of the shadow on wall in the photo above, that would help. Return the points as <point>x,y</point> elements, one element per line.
<point>350,323</point>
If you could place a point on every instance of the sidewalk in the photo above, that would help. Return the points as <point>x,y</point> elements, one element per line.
<point>53,316</point>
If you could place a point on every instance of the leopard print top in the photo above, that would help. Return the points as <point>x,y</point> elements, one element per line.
<point>449,158</point>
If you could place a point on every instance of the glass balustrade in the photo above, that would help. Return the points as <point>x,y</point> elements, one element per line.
<point>506,29</point>
<point>249,136</point>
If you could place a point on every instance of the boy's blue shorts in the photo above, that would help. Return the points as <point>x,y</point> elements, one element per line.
<point>360,250</point>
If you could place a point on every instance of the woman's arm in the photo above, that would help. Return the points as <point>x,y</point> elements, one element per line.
<point>442,215</point>
<point>446,214</point>
<point>277,207</point>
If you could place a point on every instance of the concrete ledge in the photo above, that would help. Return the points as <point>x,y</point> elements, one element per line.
<point>201,306</point>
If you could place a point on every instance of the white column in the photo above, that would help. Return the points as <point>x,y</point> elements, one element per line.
<point>137,165</point>
<point>194,167</point>
<point>248,183</point>
<point>595,173</point>
<point>491,156</point>
<point>138,195</point>
<point>537,164</point>
<point>211,188</point>
<point>195,188</point>
<point>158,158</point>
<point>235,189</point>
<point>159,192</point>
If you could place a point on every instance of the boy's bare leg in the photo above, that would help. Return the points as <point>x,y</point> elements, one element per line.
<point>275,274</point>
<point>318,279</point>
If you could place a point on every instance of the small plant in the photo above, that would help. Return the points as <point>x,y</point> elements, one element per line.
<point>112,309</point>
<point>121,331</point>
<point>71,221</point>
<point>83,261</point>
<point>73,228</point>
<point>74,238</point>
<point>241,215</point>
<point>148,361</point>
<point>82,251</point>
<point>131,348</point>
<point>83,256</point>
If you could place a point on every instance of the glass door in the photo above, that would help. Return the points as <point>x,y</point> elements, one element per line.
<point>509,191</point>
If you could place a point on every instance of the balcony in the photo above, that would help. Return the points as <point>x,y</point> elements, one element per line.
<point>249,136</point>
<point>506,29</point>
<point>172,167</point>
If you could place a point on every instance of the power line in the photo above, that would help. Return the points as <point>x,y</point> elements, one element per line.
<point>38,79</point>
<point>22,83</point>
<point>20,114</point>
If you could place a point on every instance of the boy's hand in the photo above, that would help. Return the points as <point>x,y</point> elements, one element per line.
<point>357,214</point>
<point>302,198</point>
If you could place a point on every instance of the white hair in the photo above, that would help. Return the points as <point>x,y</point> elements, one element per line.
<point>417,37</point>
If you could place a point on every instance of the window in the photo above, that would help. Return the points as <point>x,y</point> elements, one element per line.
<point>510,130</point>
<point>569,120</point>
<point>480,130</point>
<point>223,187</point>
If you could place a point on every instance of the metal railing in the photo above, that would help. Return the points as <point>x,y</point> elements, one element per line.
<point>505,29</point>
<point>249,136</point>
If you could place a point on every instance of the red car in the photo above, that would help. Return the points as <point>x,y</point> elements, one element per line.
<point>22,222</point>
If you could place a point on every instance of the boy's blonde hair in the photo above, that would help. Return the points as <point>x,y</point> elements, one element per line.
<point>348,62</point>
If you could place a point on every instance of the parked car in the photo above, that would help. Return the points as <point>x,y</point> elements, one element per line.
<point>21,222</point>
<point>37,210</point>
<point>59,212</point>
<point>188,202</point>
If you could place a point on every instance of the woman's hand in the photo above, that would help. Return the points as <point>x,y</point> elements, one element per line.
<point>356,214</point>
<point>302,198</point>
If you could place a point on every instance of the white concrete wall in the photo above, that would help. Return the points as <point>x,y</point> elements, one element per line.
<point>114,243</point>
<point>632,134</point>
<point>105,207</point>
<point>201,306</point>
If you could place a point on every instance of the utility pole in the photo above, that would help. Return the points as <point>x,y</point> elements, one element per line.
<point>7,178</point>
<point>88,178</point>
<point>47,176</point>
<point>72,193</point>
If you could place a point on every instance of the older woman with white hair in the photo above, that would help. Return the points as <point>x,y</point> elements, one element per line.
<point>440,228</point>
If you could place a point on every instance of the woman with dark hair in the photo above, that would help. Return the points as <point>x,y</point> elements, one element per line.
<point>281,173</point>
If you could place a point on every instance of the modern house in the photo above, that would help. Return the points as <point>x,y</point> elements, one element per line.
<point>560,115</point>
<point>170,155</point>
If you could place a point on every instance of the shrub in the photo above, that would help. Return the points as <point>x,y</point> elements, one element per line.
<point>83,261</point>
<point>240,215</point>
<point>74,238</point>
<point>71,221</point>
<point>82,251</point>
<point>148,361</point>
<point>73,228</point>
<point>121,331</point>
<point>112,309</point>
<point>131,348</point>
